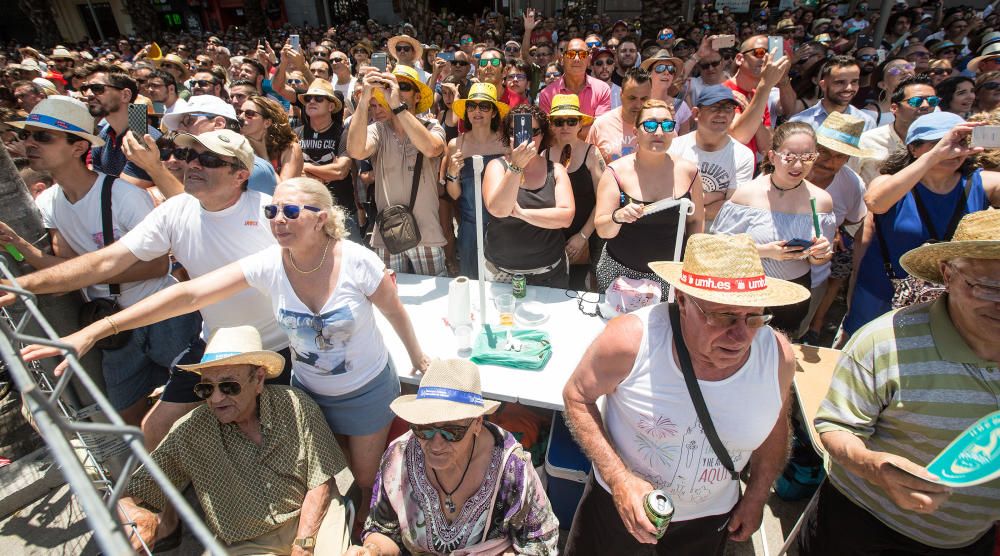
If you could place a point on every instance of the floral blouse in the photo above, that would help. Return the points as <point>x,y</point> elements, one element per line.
<point>406,508</point>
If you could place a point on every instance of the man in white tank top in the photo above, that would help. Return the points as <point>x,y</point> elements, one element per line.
<point>650,436</point>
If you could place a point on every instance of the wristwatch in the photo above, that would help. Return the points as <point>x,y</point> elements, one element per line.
<point>401,108</point>
<point>305,542</point>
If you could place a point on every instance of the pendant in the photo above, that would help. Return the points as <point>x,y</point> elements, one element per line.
<point>449,504</point>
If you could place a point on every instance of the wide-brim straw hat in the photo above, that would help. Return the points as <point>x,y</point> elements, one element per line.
<point>726,269</point>
<point>238,345</point>
<point>842,133</point>
<point>417,47</point>
<point>661,56</point>
<point>410,74</point>
<point>976,237</point>
<point>449,391</point>
<point>568,106</point>
<point>480,91</point>
<point>60,53</point>
<point>62,113</point>
<point>173,59</point>
<point>363,45</point>
<point>990,51</point>
<point>322,87</point>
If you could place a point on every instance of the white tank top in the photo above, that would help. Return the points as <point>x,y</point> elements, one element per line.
<point>655,430</point>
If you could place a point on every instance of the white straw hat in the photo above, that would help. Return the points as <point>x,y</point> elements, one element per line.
<point>62,113</point>
<point>238,345</point>
<point>449,391</point>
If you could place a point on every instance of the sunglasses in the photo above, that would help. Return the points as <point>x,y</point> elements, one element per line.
<point>404,48</point>
<point>593,44</point>
<point>204,390</point>
<point>908,68</point>
<point>202,83</point>
<point>758,52</point>
<point>314,98</point>
<point>552,74</point>
<point>915,102</point>
<point>405,87</point>
<point>97,88</point>
<point>459,63</point>
<point>484,106</point>
<point>248,113</point>
<point>726,320</point>
<point>291,212</point>
<point>180,153</point>
<point>791,158</point>
<point>294,81</point>
<point>560,122</point>
<point>574,54</point>
<point>467,40</point>
<point>602,63</point>
<point>650,126</point>
<point>517,77</point>
<point>338,60</point>
<point>665,36</point>
<point>669,68</point>
<point>990,85</point>
<point>512,49</point>
<point>494,61</point>
<point>707,65</point>
<point>41,137</point>
<point>939,71</point>
<point>450,433</point>
<point>206,159</point>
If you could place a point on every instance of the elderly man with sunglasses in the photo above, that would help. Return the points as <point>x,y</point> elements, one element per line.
<point>594,94</point>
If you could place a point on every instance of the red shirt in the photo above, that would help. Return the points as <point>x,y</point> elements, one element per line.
<point>731,83</point>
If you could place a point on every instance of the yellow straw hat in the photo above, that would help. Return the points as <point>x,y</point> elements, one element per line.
<point>449,391</point>
<point>322,87</point>
<point>406,72</point>
<point>976,237</point>
<point>568,106</point>
<point>480,91</point>
<point>842,133</point>
<point>727,269</point>
<point>238,345</point>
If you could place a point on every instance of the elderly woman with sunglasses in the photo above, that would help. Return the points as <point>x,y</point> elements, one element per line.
<point>775,209</point>
<point>264,123</point>
<point>456,483</point>
<point>667,71</point>
<point>651,174</point>
<point>987,92</point>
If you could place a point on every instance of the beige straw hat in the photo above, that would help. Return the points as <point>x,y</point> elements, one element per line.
<point>569,106</point>
<point>406,39</point>
<point>727,269</point>
<point>449,391</point>
<point>62,113</point>
<point>176,61</point>
<point>977,237</point>
<point>842,133</point>
<point>322,87</point>
<point>238,345</point>
<point>663,56</point>
<point>480,91</point>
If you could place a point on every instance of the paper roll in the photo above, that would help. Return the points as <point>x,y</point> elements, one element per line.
<point>459,305</point>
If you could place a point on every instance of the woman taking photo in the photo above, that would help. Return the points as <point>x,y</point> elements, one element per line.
<point>635,239</point>
<point>958,95</point>
<point>265,124</point>
<point>922,193</point>
<point>775,210</point>
<point>664,70</point>
<point>530,201</point>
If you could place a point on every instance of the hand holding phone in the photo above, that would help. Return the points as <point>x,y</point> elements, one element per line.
<point>522,129</point>
<point>293,40</point>
<point>798,243</point>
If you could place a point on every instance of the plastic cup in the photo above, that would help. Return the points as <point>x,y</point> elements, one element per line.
<point>505,306</point>
<point>463,338</point>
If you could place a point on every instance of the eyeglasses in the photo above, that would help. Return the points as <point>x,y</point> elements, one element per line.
<point>315,98</point>
<point>41,137</point>
<point>650,126</point>
<point>602,63</point>
<point>206,159</point>
<point>494,61</point>
<point>905,68</point>
<point>669,68</point>
<point>990,85</point>
<point>459,63</point>
<point>707,65</point>
<point>294,81</point>
<point>204,390</point>
<point>986,292</point>
<point>451,433</point>
<point>202,83</point>
<point>517,77</point>
<point>867,57</point>
<point>560,122</point>
<point>405,87</point>
<point>915,102</point>
<point>593,44</point>
<point>291,212</point>
<point>792,158</point>
<point>726,320</point>
<point>758,52</point>
<point>483,106</point>
<point>179,153</point>
<point>574,54</point>
<point>97,88</point>
<point>249,113</point>
<point>404,48</point>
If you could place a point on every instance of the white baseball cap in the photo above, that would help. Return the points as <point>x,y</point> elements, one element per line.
<point>210,105</point>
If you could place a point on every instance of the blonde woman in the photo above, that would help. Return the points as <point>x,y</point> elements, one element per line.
<point>265,124</point>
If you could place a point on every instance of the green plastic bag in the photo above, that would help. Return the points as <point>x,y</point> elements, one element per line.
<point>535,350</point>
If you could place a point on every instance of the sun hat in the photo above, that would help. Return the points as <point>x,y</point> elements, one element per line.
<point>449,391</point>
<point>842,133</point>
<point>990,51</point>
<point>941,45</point>
<point>28,64</point>
<point>662,55</point>
<point>48,86</point>
<point>322,87</point>
<point>727,269</point>
<point>238,345</point>
<point>992,37</point>
<point>819,22</point>
<point>714,94</point>
<point>200,104</point>
<point>60,53</point>
<point>408,73</point>
<point>220,141</point>
<point>787,23</point>
<point>62,113</point>
<point>480,91</point>
<point>976,237</point>
<point>417,47</point>
<point>932,126</point>
<point>569,105</point>
<point>363,45</point>
<point>175,60</point>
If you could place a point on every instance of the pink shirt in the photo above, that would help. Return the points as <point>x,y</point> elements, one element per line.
<point>595,98</point>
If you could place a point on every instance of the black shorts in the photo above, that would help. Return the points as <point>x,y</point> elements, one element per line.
<point>180,385</point>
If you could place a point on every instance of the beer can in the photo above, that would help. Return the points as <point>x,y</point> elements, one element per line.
<point>520,286</point>
<point>659,510</point>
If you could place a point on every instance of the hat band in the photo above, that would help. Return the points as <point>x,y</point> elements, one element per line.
<point>565,107</point>
<point>209,357</point>
<point>851,140</point>
<point>449,394</point>
<point>482,96</point>
<point>61,124</point>
<point>713,283</point>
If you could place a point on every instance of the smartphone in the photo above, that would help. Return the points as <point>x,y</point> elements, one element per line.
<point>522,129</point>
<point>379,61</point>
<point>137,121</point>
<point>723,41</point>
<point>987,136</point>
<point>159,108</point>
<point>776,46</point>
<point>449,56</point>
<point>801,243</point>
<point>294,41</point>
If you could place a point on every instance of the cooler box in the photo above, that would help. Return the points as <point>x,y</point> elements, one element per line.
<point>567,469</point>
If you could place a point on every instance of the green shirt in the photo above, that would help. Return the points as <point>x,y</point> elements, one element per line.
<point>908,384</point>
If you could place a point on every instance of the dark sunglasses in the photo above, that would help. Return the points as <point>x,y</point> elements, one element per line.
<point>338,60</point>
<point>315,98</point>
<point>204,390</point>
<point>467,40</point>
<point>990,85</point>
<point>459,63</point>
<point>484,106</point>
<point>97,88</point>
<point>451,433</point>
<point>560,122</point>
<point>41,137</point>
<point>758,52</point>
<point>867,57</point>
<point>939,71</point>
<point>291,212</point>
<point>406,87</point>
<point>180,153</point>
<point>915,102</point>
<point>669,68</point>
<point>665,36</point>
<point>495,61</point>
<point>404,48</point>
<point>206,159</point>
<point>251,113</point>
<point>649,126</point>
<point>602,63</point>
<point>202,83</point>
<point>593,44</point>
<point>706,65</point>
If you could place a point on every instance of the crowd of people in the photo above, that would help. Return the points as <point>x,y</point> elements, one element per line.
<point>235,243</point>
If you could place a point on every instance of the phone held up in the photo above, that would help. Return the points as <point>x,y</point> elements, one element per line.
<point>137,121</point>
<point>522,129</point>
<point>379,61</point>
<point>776,46</point>
<point>986,136</point>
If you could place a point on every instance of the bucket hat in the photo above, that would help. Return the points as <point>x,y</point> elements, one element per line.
<point>976,237</point>
<point>480,91</point>
<point>62,113</point>
<point>449,391</point>
<point>238,345</point>
<point>842,133</point>
<point>569,105</point>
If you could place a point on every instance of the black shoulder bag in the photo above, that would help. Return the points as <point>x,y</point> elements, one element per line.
<point>96,309</point>
<point>396,223</point>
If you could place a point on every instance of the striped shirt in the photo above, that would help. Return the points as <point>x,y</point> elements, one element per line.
<point>908,384</point>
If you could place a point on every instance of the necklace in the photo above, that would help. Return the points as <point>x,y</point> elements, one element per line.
<point>326,250</point>
<point>783,190</point>
<point>448,502</point>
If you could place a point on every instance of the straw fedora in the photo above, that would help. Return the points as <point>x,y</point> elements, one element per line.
<point>842,133</point>
<point>480,91</point>
<point>238,345</point>
<point>322,87</point>
<point>406,72</point>
<point>990,51</point>
<point>363,45</point>
<point>663,55</point>
<point>449,391</point>
<point>62,113</point>
<point>60,53</point>
<point>727,269</point>
<point>173,59</point>
<point>976,237</point>
<point>569,106</point>
<point>417,47</point>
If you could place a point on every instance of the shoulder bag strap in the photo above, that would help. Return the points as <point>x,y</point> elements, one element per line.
<point>416,179</point>
<point>695,392</point>
<point>886,261</point>
<point>107,224</point>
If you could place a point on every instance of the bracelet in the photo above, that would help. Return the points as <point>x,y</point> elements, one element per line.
<point>450,177</point>
<point>513,168</point>
<point>615,220</point>
<point>585,238</point>
<point>114,325</point>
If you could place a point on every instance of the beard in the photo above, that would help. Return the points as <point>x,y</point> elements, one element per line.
<point>97,110</point>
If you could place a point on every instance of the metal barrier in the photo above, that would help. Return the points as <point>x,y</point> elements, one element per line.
<point>69,432</point>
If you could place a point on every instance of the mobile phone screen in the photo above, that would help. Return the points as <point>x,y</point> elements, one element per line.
<point>987,136</point>
<point>449,56</point>
<point>522,129</point>
<point>379,60</point>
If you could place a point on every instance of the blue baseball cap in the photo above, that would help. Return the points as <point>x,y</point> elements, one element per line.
<point>933,126</point>
<point>714,94</point>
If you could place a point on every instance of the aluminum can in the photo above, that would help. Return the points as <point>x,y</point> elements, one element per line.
<point>520,286</point>
<point>659,510</point>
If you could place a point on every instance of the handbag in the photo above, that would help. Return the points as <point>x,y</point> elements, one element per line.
<point>96,309</point>
<point>532,352</point>
<point>396,223</point>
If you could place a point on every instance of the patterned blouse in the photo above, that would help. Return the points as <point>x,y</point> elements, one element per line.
<point>406,508</point>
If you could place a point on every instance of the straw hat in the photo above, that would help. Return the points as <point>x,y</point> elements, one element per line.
<point>449,391</point>
<point>363,45</point>
<point>727,269</point>
<point>176,60</point>
<point>406,72</point>
<point>480,91</point>
<point>990,51</point>
<point>842,133</point>
<point>977,237</point>
<point>417,47</point>
<point>663,55</point>
<point>322,87</point>
<point>62,113</point>
<point>569,105</point>
<point>60,53</point>
<point>239,345</point>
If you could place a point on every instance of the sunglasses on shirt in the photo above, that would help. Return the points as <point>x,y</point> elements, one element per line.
<point>450,433</point>
<point>650,126</point>
<point>291,212</point>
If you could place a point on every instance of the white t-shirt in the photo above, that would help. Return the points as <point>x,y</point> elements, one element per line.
<point>81,225</point>
<point>341,349</point>
<point>345,89</point>
<point>204,241</point>
<point>721,170</point>
<point>848,192</point>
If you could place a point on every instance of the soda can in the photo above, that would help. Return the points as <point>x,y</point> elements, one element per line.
<point>520,286</point>
<point>659,510</point>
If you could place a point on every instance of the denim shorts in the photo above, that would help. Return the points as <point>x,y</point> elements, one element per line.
<point>180,386</point>
<point>364,411</point>
<point>136,369</point>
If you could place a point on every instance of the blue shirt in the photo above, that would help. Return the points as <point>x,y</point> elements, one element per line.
<point>263,178</point>
<point>110,159</point>
<point>816,115</point>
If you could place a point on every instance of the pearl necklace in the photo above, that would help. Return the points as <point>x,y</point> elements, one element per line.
<point>326,250</point>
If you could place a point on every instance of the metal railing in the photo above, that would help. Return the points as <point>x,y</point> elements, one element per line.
<point>80,445</point>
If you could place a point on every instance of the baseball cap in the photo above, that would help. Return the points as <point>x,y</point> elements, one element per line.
<point>200,104</point>
<point>714,94</point>
<point>222,142</point>
<point>933,126</point>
